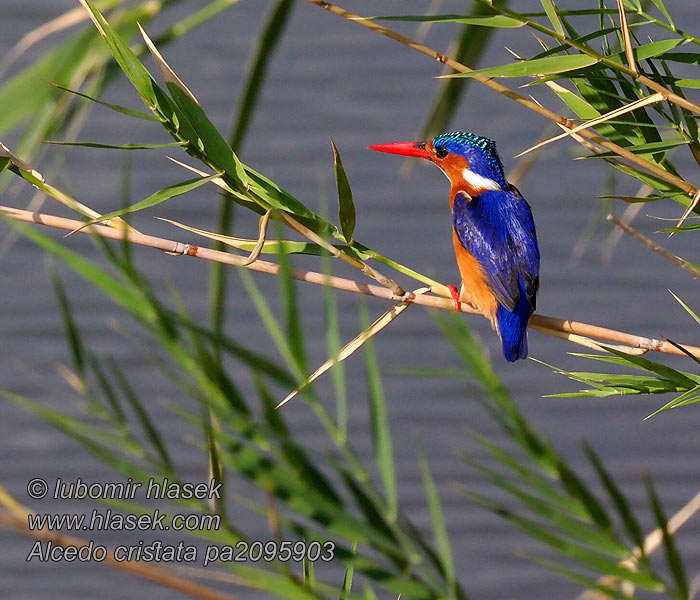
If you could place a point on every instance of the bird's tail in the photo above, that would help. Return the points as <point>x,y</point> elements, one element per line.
<point>512,327</point>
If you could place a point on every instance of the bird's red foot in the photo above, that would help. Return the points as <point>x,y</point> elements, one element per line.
<point>455,296</point>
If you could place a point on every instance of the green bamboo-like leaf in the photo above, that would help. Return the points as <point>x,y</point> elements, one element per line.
<point>381,433</point>
<point>346,207</point>
<point>437,520</point>
<point>371,568</point>
<point>627,384</point>
<point>272,325</point>
<point>591,393</point>
<point>605,591</point>
<point>366,253</point>
<point>246,356</point>
<point>128,61</point>
<point>687,308</point>
<point>373,509</point>
<point>26,172</point>
<point>116,146</point>
<point>333,346</point>
<point>691,84</point>
<point>579,554</point>
<point>673,559</point>
<point>602,95</point>
<point>576,487</point>
<point>605,384</point>
<point>266,44</point>
<point>213,144</point>
<point>623,507</point>
<point>369,592</point>
<point>116,451</point>
<point>470,45</point>
<point>347,578</point>
<point>569,13</point>
<point>309,575</point>
<point>151,93</point>
<point>559,520</point>
<point>288,294</point>
<point>662,8</point>
<point>652,180</point>
<point>552,15</point>
<point>681,378</point>
<point>691,227</point>
<point>599,33</point>
<point>508,417</point>
<point>635,199</point>
<point>161,195</point>
<point>270,475</point>
<point>121,293</point>
<point>270,246</point>
<point>293,453</point>
<point>689,400</point>
<point>279,585</point>
<point>651,148</point>
<point>654,49</point>
<point>275,196</point>
<point>688,397</point>
<point>109,395</point>
<point>115,107</point>
<point>72,332</point>
<point>691,58</point>
<point>147,424</point>
<point>24,94</point>
<point>534,480</point>
<point>542,66</point>
<point>491,20</point>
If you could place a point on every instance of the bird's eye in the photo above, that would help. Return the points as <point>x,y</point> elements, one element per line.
<point>441,151</point>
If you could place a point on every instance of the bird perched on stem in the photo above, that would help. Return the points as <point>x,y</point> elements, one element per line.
<point>492,230</point>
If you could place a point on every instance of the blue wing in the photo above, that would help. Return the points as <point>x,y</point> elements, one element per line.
<point>498,230</point>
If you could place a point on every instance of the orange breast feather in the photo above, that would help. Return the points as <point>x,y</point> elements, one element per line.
<point>475,290</point>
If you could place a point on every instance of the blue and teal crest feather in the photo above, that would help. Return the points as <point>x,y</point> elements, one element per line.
<point>480,151</point>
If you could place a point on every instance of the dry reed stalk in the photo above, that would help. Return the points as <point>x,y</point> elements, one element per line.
<point>627,38</point>
<point>541,323</point>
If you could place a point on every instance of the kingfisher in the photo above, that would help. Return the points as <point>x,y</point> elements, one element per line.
<point>492,230</point>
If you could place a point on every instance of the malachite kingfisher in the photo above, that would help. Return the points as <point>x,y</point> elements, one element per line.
<point>493,233</point>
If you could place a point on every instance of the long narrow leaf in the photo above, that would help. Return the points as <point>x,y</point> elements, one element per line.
<point>162,195</point>
<point>672,556</point>
<point>541,66</point>
<point>437,519</point>
<point>115,107</point>
<point>346,207</point>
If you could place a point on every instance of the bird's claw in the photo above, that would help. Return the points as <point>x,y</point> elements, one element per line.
<point>455,296</point>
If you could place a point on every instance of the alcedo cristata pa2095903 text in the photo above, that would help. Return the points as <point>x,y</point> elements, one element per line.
<point>492,230</point>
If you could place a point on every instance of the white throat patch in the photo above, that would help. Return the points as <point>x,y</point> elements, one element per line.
<point>480,183</point>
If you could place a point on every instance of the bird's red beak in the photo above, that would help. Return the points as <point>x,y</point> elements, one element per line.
<point>403,148</point>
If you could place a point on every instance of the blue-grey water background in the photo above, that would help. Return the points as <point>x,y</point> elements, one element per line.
<point>334,79</point>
